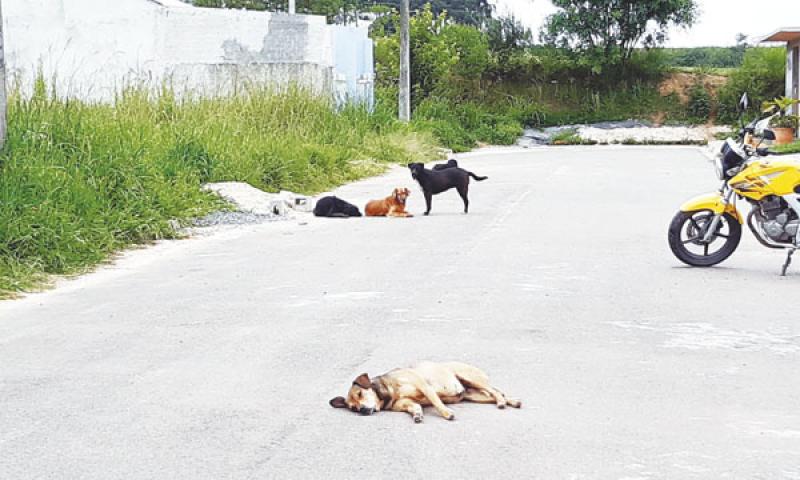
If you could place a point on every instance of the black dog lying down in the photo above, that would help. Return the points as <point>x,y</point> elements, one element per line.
<point>335,207</point>
<point>443,166</point>
<point>437,181</point>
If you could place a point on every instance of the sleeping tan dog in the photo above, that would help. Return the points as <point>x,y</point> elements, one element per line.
<point>427,383</point>
<point>392,206</point>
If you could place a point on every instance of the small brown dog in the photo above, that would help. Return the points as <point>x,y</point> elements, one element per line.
<point>392,206</point>
<point>427,383</point>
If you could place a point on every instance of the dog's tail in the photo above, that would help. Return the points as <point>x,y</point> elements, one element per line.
<point>476,177</point>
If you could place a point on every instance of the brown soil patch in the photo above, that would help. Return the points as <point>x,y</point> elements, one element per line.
<point>680,83</point>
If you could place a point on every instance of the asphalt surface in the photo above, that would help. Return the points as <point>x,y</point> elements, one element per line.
<point>215,358</point>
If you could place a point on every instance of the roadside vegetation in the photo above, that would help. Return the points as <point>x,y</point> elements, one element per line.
<point>787,149</point>
<point>79,182</point>
<point>475,85</point>
<point>480,79</point>
<point>718,58</point>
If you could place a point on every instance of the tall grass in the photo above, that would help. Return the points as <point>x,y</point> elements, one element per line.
<point>80,181</point>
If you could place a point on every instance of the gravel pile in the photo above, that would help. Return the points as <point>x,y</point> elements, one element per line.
<point>250,206</point>
<point>234,218</point>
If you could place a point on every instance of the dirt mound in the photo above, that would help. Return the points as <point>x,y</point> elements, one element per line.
<point>679,83</point>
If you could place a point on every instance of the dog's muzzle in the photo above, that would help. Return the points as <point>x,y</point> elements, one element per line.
<point>366,411</point>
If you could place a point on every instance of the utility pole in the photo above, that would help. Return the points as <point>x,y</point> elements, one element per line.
<point>405,64</point>
<point>292,9</point>
<point>3,100</point>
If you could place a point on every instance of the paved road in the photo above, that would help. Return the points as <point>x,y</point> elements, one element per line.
<point>215,358</point>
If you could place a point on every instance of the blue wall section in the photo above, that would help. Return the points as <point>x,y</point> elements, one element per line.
<point>354,71</point>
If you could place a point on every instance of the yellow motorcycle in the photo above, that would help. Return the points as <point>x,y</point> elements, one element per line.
<point>708,228</point>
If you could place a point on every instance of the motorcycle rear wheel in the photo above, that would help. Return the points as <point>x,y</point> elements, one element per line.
<point>687,230</point>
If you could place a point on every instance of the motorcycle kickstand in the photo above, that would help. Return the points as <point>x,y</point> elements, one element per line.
<point>788,261</point>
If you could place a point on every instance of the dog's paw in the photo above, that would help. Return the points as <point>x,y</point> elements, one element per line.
<point>514,403</point>
<point>449,414</point>
<point>418,418</point>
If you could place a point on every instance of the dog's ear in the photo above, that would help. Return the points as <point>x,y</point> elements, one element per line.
<point>362,381</point>
<point>338,402</point>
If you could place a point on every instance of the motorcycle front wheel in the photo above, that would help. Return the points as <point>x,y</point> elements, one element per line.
<point>686,233</point>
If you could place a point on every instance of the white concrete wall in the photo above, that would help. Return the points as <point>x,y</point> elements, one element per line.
<point>89,50</point>
<point>789,69</point>
<point>354,69</point>
<point>92,48</point>
<point>792,72</point>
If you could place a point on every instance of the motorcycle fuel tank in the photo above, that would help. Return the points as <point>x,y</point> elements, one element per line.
<point>764,178</point>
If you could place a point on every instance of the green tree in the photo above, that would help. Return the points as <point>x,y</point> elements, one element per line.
<point>608,31</point>
<point>741,40</point>
<point>468,12</point>
<point>762,75</point>
<point>507,34</point>
<point>447,58</point>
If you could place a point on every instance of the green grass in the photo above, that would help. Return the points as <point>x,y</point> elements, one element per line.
<point>461,126</point>
<point>569,137</point>
<point>787,149</point>
<point>722,71</point>
<point>81,181</point>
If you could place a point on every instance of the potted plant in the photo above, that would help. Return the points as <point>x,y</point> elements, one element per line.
<point>784,125</point>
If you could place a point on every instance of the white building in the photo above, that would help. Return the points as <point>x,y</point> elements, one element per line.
<point>93,48</point>
<point>791,36</point>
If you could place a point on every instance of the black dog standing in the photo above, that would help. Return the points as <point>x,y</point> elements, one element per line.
<point>444,166</point>
<point>434,182</point>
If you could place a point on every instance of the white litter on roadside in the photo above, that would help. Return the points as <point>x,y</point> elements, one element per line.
<point>683,134</point>
<point>624,132</point>
<point>249,199</point>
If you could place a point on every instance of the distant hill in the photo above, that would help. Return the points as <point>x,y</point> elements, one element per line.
<point>712,57</point>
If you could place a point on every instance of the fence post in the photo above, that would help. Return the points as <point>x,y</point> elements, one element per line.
<point>405,64</point>
<point>3,99</point>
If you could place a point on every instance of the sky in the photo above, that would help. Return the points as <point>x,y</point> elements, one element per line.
<point>719,22</point>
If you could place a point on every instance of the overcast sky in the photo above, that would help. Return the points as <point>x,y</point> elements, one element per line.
<point>720,20</point>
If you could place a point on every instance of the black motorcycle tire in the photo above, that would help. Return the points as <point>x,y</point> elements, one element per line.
<point>684,255</point>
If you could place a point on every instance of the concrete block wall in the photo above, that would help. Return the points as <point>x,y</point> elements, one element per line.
<point>91,49</point>
<point>793,73</point>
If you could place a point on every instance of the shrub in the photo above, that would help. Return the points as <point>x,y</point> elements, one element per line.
<point>700,103</point>
<point>460,126</point>
<point>762,75</point>
<point>569,137</point>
